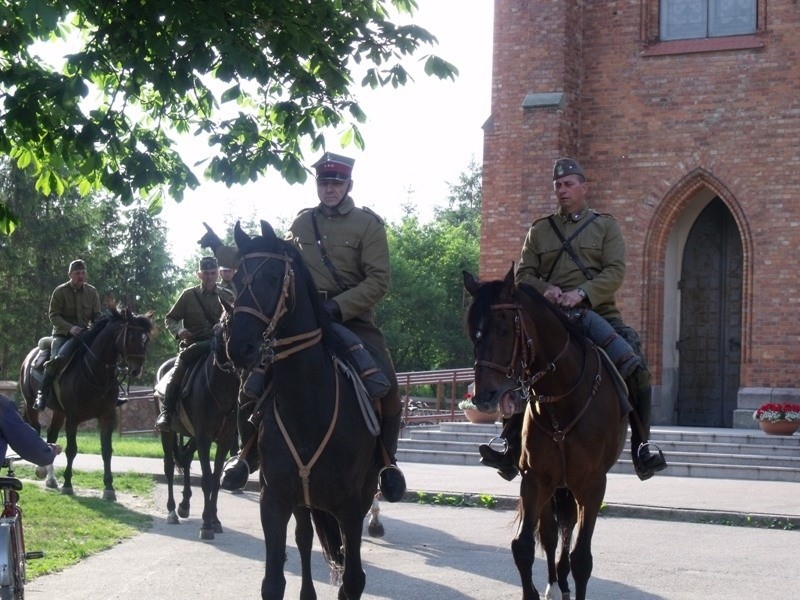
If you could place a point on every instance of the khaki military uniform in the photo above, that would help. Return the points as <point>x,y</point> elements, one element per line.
<point>70,306</point>
<point>355,240</point>
<point>194,311</point>
<point>599,247</point>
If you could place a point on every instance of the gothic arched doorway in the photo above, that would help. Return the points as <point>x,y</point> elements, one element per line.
<point>709,345</point>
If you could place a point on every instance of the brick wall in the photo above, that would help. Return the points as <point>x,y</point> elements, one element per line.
<point>651,124</point>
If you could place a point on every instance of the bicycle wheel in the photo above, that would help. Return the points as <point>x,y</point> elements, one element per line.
<point>12,561</point>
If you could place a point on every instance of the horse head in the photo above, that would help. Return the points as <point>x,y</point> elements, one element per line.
<point>276,296</point>
<point>493,332</point>
<point>132,340</point>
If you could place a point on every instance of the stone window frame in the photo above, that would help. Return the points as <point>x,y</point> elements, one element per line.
<point>653,46</point>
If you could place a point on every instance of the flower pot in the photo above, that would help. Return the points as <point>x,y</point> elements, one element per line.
<point>475,416</point>
<point>779,427</point>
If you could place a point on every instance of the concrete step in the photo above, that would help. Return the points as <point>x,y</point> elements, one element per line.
<point>690,452</point>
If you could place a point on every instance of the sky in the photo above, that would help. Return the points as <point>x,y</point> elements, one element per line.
<point>419,138</point>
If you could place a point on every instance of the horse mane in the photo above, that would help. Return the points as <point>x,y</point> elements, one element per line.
<point>112,315</point>
<point>487,293</point>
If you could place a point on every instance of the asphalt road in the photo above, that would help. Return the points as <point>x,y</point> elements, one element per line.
<point>434,552</point>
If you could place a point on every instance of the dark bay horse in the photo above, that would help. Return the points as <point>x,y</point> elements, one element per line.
<point>529,356</point>
<point>111,350</point>
<point>318,459</point>
<point>207,414</point>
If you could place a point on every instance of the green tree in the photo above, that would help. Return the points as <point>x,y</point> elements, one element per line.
<point>422,316</point>
<point>256,79</point>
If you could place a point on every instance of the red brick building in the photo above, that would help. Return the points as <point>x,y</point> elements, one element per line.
<point>685,115</point>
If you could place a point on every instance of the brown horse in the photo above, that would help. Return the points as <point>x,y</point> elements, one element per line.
<point>111,350</point>
<point>574,428</point>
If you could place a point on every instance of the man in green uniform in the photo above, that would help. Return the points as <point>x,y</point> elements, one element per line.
<point>346,249</point>
<point>74,305</point>
<point>226,274</point>
<point>191,320</point>
<point>576,259</point>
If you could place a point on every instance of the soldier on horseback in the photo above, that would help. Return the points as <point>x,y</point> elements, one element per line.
<point>576,259</point>
<point>346,249</point>
<point>191,320</point>
<point>74,305</point>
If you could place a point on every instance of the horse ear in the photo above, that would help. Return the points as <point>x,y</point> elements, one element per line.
<point>226,306</point>
<point>509,280</point>
<point>267,231</point>
<point>239,236</point>
<point>470,283</point>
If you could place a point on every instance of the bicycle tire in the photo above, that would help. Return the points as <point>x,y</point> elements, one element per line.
<point>12,574</point>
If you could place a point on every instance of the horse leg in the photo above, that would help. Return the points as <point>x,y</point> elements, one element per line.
<point>56,422</point>
<point>207,484</point>
<point>304,538</point>
<point>274,520</point>
<point>375,527</point>
<point>71,451</point>
<point>581,556</point>
<point>547,531</point>
<point>106,450</point>
<point>168,446</point>
<point>186,452</point>
<point>566,516</point>
<point>523,546</point>
<point>353,579</point>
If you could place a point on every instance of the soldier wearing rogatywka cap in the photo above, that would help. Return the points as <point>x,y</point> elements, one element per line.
<point>576,259</point>
<point>191,320</point>
<point>74,305</point>
<point>346,249</point>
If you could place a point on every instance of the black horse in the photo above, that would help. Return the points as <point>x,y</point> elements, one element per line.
<point>112,349</point>
<point>529,356</point>
<point>207,413</point>
<point>318,459</point>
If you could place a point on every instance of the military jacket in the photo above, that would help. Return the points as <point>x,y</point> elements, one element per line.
<point>70,306</point>
<point>197,311</point>
<point>599,247</point>
<point>355,241</point>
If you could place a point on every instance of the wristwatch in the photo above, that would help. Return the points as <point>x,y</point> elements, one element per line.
<point>581,293</point>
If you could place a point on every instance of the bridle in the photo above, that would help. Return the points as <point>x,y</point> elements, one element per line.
<point>523,354</point>
<point>270,343</point>
<point>120,365</point>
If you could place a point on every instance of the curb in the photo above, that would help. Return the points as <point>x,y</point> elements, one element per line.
<point>627,511</point>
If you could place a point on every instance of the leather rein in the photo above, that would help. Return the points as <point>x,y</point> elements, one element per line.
<point>271,348</point>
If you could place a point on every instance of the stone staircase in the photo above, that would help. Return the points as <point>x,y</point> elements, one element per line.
<point>690,451</point>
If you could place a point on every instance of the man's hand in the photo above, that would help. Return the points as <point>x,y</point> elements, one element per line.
<point>570,299</point>
<point>209,239</point>
<point>553,294</point>
<point>75,330</point>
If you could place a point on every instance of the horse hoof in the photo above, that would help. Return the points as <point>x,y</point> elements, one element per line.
<point>206,534</point>
<point>67,491</point>
<point>109,495</point>
<point>183,512</point>
<point>41,472</point>
<point>376,530</point>
<point>172,518</point>
<point>51,484</point>
<point>218,528</point>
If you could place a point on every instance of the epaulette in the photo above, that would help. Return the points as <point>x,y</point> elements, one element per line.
<point>539,220</point>
<point>373,213</point>
<point>305,210</point>
<point>608,215</point>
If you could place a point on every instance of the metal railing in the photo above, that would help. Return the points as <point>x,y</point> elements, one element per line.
<point>413,415</point>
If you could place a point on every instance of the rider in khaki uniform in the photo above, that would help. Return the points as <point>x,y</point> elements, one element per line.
<point>346,249</point>
<point>576,258</point>
<point>74,305</point>
<point>191,320</point>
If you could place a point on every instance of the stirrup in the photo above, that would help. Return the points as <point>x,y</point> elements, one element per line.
<point>500,441</point>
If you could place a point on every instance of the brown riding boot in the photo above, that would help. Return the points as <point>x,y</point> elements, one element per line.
<point>645,463</point>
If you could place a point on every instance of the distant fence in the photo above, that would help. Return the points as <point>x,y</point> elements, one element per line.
<point>445,408</point>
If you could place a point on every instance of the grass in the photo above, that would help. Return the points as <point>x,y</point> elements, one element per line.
<point>70,528</point>
<point>146,446</point>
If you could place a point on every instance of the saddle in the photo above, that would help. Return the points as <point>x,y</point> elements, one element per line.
<point>182,424</point>
<point>42,356</point>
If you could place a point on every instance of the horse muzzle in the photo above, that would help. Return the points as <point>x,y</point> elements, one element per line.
<point>507,399</point>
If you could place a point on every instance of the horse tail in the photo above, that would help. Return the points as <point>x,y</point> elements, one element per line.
<point>183,450</point>
<point>330,538</point>
<point>565,510</point>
